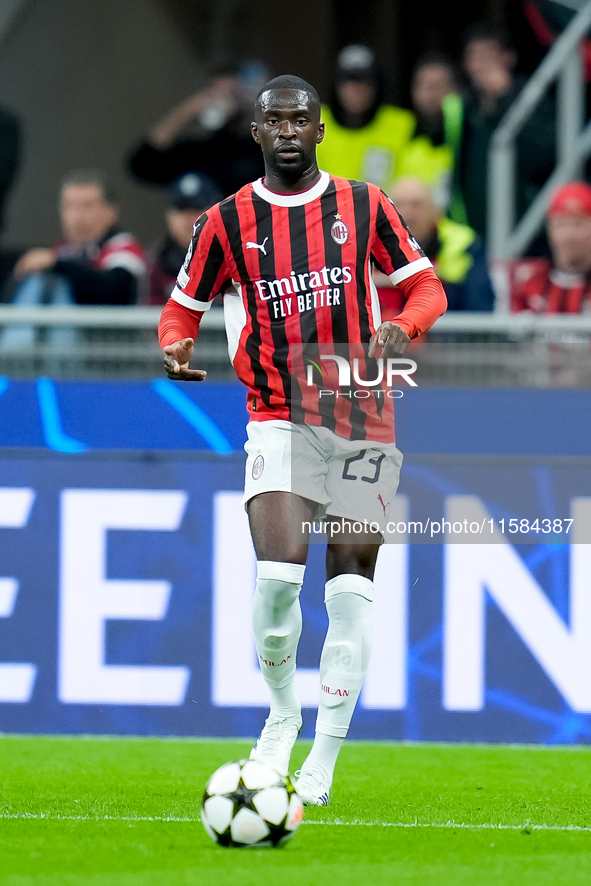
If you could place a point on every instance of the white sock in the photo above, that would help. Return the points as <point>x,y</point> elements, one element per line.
<point>277,623</point>
<point>343,665</point>
<point>325,751</point>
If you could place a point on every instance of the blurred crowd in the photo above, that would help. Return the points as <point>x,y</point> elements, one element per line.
<point>431,158</point>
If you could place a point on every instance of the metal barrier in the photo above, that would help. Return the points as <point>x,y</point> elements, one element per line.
<point>505,239</point>
<point>499,349</point>
<point>108,342</point>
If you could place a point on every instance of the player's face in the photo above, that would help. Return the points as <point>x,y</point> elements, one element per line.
<point>570,239</point>
<point>85,214</point>
<point>288,128</point>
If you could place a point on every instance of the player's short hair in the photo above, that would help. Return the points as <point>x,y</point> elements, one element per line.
<point>91,177</point>
<point>289,81</point>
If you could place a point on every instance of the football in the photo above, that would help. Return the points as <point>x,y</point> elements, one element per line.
<point>246,803</point>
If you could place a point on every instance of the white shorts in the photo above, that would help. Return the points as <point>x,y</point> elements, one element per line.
<point>354,479</point>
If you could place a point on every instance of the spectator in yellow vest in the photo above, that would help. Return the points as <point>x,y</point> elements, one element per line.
<point>456,251</point>
<point>364,135</point>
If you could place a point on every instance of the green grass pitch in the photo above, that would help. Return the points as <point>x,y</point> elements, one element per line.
<point>125,812</point>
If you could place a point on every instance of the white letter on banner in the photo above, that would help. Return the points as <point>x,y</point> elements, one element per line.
<point>16,680</point>
<point>88,599</point>
<point>580,569</point>
<point>496,568</point>
<point>236,678</point>
<point>385,684</point>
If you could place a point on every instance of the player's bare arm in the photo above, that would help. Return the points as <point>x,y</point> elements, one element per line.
<point>176,361</point>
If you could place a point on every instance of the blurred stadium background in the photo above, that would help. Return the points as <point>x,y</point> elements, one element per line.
<point>115,481</point>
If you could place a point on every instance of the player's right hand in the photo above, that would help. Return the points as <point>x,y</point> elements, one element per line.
<point>176,361</point>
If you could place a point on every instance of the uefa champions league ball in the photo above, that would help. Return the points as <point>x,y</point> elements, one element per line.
<point>246,803</point>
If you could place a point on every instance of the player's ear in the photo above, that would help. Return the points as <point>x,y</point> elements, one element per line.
<point>321,133</point>
<point>255,132</point>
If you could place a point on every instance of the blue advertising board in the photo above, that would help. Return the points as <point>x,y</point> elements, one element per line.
<point>75,417</point>
<point>127,571</point>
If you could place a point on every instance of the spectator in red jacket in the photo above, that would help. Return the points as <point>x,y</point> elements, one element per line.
<point>561,284</point>
<point>95,263</point>
<point>189,196</point>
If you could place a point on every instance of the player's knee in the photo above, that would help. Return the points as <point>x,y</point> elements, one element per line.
<point>278,585</point>
<point>348,604</point>
<point>350,584</point>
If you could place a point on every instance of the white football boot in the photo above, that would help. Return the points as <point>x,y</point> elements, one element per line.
<point>313,785</point>
<point>276,741</point>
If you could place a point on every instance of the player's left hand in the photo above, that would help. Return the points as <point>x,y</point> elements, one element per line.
<point>391,339</point>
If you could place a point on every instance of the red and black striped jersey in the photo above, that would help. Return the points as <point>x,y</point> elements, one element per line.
<point>295,273</point>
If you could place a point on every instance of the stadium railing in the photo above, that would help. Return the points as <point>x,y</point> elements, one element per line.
<point>499,349</point>
<point>507,237</point>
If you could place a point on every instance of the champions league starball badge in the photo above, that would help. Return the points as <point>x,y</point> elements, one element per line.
<point>339,231</point>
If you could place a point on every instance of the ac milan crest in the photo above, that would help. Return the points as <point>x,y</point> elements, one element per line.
<point>339,232</point>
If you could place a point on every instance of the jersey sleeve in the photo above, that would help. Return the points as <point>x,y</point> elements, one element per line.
<point>425,302</point>
<point>177,323</point>
<point>393,248</point>
<point>205,270</point>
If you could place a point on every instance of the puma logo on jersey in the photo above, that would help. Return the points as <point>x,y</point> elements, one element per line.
<point>261,246</point>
